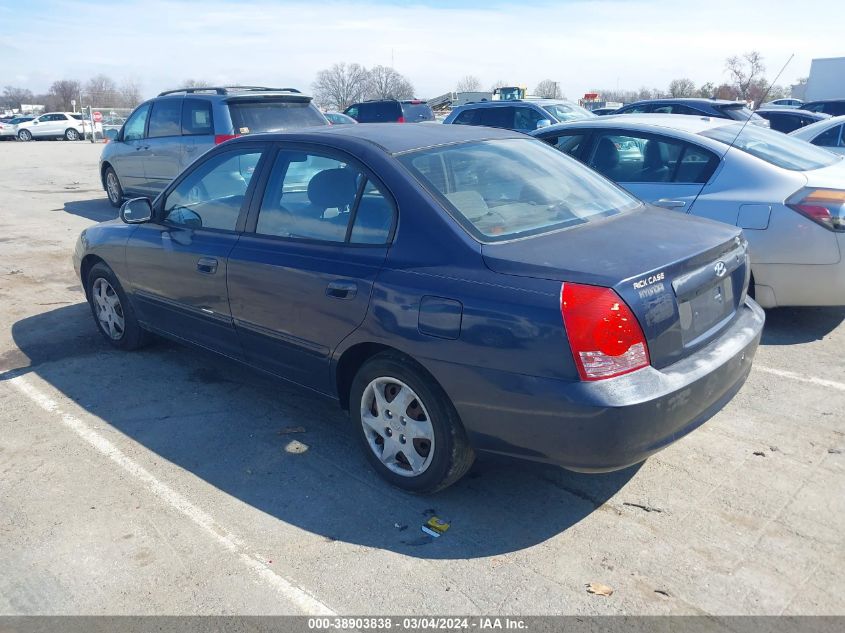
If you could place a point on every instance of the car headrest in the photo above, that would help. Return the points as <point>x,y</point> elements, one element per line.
<point>607,156</point>
<point>655,155</point>
<point>333,188</point>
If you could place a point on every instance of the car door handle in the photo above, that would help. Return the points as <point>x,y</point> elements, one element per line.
<point>341,289</point>
<point>207,265</point>
<point>669,204</point>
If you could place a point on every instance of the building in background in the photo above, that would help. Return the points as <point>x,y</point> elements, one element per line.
<point>826,80</point>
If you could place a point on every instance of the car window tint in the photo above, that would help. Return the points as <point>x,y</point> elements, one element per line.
<point>630,159</point>
<point>134,128</point>
<point>567,111</point>
<point>416,112</point>
<point>373,217</point>
<point>502,117</point>
<point>526,118</point>
<point>467,117</point>
<point>196,117</point>
<point>568,143</point>
<point>830,138</point>
<point>166,118</point>
<point>379,112</point>
<point>308,196</point>
<point>273,115</point>
<point>696,165</point>
<point>636,109</point>
<point>781,150</point>
<point>212,195</point>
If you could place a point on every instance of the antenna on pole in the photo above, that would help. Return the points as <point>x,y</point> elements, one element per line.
<point>762,100</point>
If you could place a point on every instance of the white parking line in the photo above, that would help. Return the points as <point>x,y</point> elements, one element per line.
<point>303,600</point>
<point>801,378</point>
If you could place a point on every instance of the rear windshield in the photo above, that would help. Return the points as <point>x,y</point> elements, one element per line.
<point>568,111</point>
<point>270,115</point>
<point>510,188</point>
<point>739,113</point>
<point>773,147</point>
<point>416,112</point>
<point>375,112</point>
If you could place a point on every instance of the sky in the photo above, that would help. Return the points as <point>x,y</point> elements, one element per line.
<point>582,44</point>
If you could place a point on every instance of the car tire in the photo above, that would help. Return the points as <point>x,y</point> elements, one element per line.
<point>71,134</point>
<point>114,191</point>
<point>425,433</point>
<point>24,135</point>
<point>113,313</point>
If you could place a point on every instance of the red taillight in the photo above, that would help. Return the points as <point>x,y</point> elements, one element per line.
<point>222,138</point>
<point>604,335</point>
<point>401,119</point>
<point>824,206</point>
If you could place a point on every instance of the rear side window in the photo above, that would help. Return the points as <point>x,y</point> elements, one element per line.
<point>416,112</point>
<point>502,117</point>
<point>568,143</point>
<point>166,118</point>
<point>273,115</point>
<point>196,118</point>
<point>377,112</point>
<point>78,117</point>
<point>633,159</point>
<point>315,197</point>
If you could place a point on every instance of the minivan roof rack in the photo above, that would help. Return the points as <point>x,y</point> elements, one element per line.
<point>224,90</point>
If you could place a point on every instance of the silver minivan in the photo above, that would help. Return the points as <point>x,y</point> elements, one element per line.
<point>167,133</point>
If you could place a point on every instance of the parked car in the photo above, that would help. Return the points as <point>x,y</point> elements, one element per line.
<point>784,193</point>
<point>459,290</point>
<point>604,111</point>
<point>390,111</point>
<point>788,120</point>
<point>718,108</point>
<point>339,118</point>
<point>516,114</point>
<point>828,133</point>
<point>167,133</point>
<point>783,103</point>
<point>833,107</point>
<point>9,127</point>
<point>67,125</point>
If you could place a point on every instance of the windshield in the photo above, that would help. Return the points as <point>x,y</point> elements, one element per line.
<point>740,113</point>
<point>567,111</point>
<point>271,115</point>
<point>416,112</point>
<point>773,147</point>
<point>514,187</point>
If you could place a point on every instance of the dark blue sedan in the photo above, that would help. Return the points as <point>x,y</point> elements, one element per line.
<point>460,290</point>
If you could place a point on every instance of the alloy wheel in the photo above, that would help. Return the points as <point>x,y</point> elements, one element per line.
<point>112,187</point>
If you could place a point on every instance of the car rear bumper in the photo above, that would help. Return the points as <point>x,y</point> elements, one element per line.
<point>800,285</point>
<point>605,425</point>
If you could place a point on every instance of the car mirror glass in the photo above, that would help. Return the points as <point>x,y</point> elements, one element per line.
<point>136,211</point>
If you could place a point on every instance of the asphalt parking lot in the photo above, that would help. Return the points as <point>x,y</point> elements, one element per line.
<point>162,481</point>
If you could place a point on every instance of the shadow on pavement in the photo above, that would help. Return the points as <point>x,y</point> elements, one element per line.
<point>229,427</point>
<point>98,210</point>
<point>790,326</point>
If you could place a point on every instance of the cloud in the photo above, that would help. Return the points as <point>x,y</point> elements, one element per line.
<point>582,44</point>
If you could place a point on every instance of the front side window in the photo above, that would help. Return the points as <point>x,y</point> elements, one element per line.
<point>134,128</point>
<point>196,118</point>
<point>211,196</point>
<point>315,197</point>
<point>830,138</point>
<point>773,147</point>
<point>509,188</point>
<point>467,117</point>
<point>567,112</point>
<point>526,119</point>
<point>166,118</point>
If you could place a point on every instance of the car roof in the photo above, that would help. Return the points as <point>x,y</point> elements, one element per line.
<point>510,102</point>
<point>806,103</point>
<point>393,138</point>
<point>797,111</point>
<point>699,100</point>
<point>682,122</point>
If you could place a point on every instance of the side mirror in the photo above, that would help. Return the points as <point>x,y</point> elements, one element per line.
<point>136,211</point>
<point>543,123</point>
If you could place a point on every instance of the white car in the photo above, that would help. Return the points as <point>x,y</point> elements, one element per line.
<point>67,125</point>
<point>783,103</point>
<point>829,134</point>
<point>787,195</point>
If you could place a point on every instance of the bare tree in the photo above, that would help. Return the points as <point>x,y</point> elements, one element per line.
<point>341,85</point>
<point>195,83</point>
<point>101,90</point>
<point>726,91</point>
<point>616,96</point>
<point>681,88</point>
<point>548,89</point>
<point>706,91</point>
<point>386,83</point>
<point>468,83</point>
<point>499,83</point>
<point>130,93</point>
<point>13,97</point>
<point>61,94</point>
<point>744,70</point>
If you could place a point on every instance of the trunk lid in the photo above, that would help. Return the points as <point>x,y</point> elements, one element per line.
<point>683,277</point>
